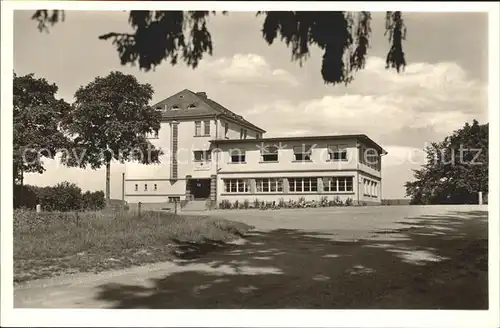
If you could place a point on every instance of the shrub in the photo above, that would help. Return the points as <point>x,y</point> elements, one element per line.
<point>323,201</point>
<point>25,196</point>
<point>236,204</point>
<point>93,201</point>
<point>281,203</point>
<point>302,200</point>
<point>348,201</point>
<point>246,203</point>
<point>256,203</point>
<point>225,204</point>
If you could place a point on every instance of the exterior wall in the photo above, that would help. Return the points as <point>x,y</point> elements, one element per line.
<point>285,194</point>
<point>286,162</point>
<point>372,194</point>
<point>165,189</point>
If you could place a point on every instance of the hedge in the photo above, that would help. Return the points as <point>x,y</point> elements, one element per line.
<point>63,197</point>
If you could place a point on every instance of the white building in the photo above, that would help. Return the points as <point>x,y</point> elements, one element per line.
<point>221,156</point>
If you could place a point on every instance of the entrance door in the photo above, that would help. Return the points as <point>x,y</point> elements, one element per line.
<point>200,188</point>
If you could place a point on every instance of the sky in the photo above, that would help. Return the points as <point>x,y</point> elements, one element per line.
<point>443,86</point>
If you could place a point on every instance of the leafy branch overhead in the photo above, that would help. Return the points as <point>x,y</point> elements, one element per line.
<point>172,36</point>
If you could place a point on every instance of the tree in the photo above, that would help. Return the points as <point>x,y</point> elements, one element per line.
<point>343,36</point>
<point>456,168</point>
<point>37,116</point>
<point>109,120</point>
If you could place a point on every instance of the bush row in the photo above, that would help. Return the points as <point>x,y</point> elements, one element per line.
<point>63,197</point>
<point>300,203</point>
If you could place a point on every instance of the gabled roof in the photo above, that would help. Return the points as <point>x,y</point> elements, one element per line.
<point>205,107</point>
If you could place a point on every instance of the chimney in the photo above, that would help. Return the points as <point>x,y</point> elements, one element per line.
<point>202,94</point>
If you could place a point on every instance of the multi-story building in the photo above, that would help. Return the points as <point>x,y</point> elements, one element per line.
<point>212,153</point>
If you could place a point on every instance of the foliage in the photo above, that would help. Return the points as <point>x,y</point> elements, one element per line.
<point>176,35</point>
<point>62,197</point>
<point>36,117</point>
<point>109,120</point>
<point>456,169</point>
<point>93,201</point>
<point>281,203</point>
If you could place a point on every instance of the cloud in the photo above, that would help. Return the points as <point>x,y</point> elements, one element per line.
<point>435,98</point>
<point>249,69</point>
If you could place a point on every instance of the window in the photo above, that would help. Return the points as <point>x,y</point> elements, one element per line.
<point>202,155</point>
<point>370,157</point>
<point>237,155</point>
<point>236,186</point>
<point>207,128</point>
<point>337,184</point>
<point>303,184</point>
<point>337,152</point>
<point>174,199</point>
<point>175,107</point>
<point>269,185</point>
<point>269,153</point>
<point>197,128</point>
<point>257,136</point>
<point>226,129</point>
<point>145,187</point>
<point>192,106</point>
<point>155,187</point>
<point>243,133</point>
<point>136,187</point>
<point>302,153</point>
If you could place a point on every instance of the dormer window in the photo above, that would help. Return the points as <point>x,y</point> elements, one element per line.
<point>191,106</point>
<point>175,107</point>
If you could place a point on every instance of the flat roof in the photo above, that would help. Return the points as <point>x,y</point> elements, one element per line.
<point>362,137</point>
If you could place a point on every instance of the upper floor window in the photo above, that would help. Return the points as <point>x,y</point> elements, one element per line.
<point>302,153</point>
<point>337,152</point>
<point>145,187</point>
<point>155,187</point>
<point>206,127</point>
<point>370,157</point>
<point>269,154</point>
<point>257,136</point>
<point>136,187</point>
<point>191,106</point>
<point>175,107</point>
<point>243,133</point>
<point>226,129</point>
<point>202,155</point>
<point>237,155</point>
<point>197,128</point>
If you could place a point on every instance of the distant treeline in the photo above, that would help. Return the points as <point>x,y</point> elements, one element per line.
<point>64,196</point>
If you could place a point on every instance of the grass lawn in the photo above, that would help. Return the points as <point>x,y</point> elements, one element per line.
<point>51,244</point>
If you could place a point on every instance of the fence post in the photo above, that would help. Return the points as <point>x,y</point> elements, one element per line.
<point>38,208</point>
<point>139,205</point>
<point>480,195</point>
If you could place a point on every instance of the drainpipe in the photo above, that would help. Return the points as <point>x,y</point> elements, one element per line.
<point>216,158</point>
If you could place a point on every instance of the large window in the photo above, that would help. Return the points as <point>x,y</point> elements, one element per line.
<point>237,155</point>
<point>370,157</point>
<point>197,128</point>
<point>207,127</point>
<point>269,154</point>
<point>202,155</point>
<point>269,185</point>
<point>303,184</point>
<point>337,152</point>
<point>337,184</point>
<point>236,186</point>
<point>302,153</point>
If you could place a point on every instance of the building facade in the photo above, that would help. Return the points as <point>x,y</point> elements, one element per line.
<point>211,153</point>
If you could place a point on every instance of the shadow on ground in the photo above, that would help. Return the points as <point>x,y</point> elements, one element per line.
<point>430,262</point>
